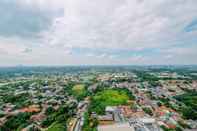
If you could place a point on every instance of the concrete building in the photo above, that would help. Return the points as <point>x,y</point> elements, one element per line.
<point>116,127</point>
<point>144,124</point>
<point>135,124</point>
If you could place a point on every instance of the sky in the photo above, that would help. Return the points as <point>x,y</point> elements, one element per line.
<point>98,32</point>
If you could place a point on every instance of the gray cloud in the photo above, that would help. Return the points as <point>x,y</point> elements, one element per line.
<point>23,21</point>
<point>123,24</point>
<point>53,28</point>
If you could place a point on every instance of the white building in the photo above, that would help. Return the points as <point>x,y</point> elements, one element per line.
<point>116,127</point>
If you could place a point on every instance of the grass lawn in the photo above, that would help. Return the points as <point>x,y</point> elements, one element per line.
<point>79,91</point>
<point>108,98</point>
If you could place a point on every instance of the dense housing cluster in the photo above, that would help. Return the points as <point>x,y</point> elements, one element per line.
<point>102,98</point>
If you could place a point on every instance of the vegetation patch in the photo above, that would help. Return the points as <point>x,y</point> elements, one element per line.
<point>15,122</point>
<point>90,124</point>
<point>190,100</point>
<point>110,97</point>
<point>79,91</point>
<point>57,127</point>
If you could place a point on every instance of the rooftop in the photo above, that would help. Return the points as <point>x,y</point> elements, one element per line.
<point>116,127</point>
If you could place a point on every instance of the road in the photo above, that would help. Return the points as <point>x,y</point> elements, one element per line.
<point>80,114</point>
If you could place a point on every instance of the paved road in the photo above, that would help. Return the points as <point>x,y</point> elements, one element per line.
<point>78,126</point>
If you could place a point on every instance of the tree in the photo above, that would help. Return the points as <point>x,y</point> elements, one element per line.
<point>148,111</point>
<point>49,110</point>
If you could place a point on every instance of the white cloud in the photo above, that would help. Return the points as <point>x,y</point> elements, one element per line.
<point>43,4</point>
<point>183,51</point>
<point>111,25</point>
<point>122,24</point>
<point>10,47</point>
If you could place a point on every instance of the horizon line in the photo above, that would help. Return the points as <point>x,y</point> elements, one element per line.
<point>80,65</point>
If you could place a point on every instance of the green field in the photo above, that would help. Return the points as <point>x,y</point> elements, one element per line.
<point>108,97</point>
<point>79,91</point>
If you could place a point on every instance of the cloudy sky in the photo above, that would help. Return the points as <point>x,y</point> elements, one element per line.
<point>77,32</point>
